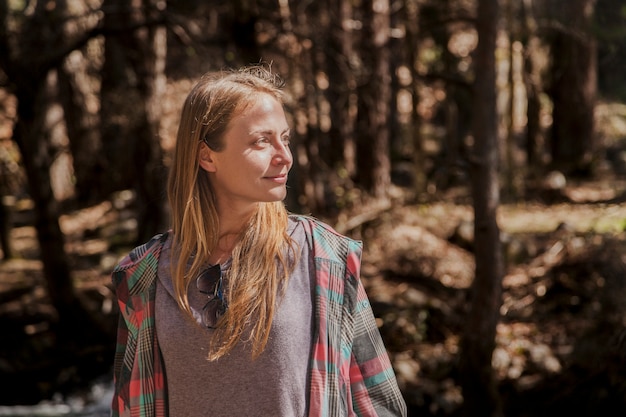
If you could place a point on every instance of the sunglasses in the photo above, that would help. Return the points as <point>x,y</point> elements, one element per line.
<point>210,282</point>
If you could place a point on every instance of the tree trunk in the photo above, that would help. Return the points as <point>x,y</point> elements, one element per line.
<point>533,87</point>
<point>534,138</point>
<point>28,75</point>
<point>37,159</point>
<point>343,110</point>
<point>478,340</point>
<point>149,55</point>
<point>5,229</point>
<point>374,111</point>
<point>82,129</point>
<point>118,99</point>
<point>327,148</point>
<point>411,18</point>
<point>573,89</point>
<point>243,31</point>
<point>131,106</point>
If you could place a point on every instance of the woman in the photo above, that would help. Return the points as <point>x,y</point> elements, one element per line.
<point>242,309</point>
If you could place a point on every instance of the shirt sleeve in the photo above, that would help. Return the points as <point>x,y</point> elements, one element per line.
<point>139,379</point>
<point>374,387</point>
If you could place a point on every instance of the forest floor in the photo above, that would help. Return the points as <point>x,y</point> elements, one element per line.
<point>560,341</point>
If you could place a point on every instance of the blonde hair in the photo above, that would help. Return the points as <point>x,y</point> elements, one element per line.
<point>264,254</point>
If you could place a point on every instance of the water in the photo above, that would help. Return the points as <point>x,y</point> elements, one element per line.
<point>96,403</point>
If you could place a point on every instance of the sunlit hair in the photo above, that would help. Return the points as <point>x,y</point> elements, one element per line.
<point>264,254</point>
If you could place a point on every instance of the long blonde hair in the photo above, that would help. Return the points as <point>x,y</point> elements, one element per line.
<point>264,254</point>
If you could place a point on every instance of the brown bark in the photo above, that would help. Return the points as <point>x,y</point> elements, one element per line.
<point>533,113</point>
<point>5,230</point>
<point>149,64</point>
<point>118,99</point>
<point>478,341</point>
<point>411,17</point>
<point>36,151</point>
<point>131,106</point>
<point>28,75</point>
<point>533,86</point>
<point>375,96</point>
<point>345,115</point>
<point>573,89</point>
<point>243,31</point>
<point>82,129</point>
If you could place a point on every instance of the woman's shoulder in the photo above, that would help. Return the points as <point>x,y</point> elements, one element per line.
<point>317,225</point>
<point>324,237</point>
<point>140,259</point>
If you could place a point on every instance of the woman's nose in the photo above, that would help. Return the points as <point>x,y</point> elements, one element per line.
<point>282,154</point>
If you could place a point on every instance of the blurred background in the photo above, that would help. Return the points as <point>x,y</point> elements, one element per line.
<point>477,147</point>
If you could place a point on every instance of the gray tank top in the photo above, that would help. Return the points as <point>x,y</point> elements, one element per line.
<point>275,384</point>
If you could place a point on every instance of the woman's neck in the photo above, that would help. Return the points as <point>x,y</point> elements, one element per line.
<point>224,248</point>
<point>231,225</point>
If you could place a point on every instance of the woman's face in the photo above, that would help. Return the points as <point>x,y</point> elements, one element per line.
<point>253,164</point>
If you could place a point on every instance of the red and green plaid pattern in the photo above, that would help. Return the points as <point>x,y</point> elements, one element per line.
<point>351,374</point>
<point>140,388</point>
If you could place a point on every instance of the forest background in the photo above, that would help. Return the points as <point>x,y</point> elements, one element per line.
<point>477,147</point>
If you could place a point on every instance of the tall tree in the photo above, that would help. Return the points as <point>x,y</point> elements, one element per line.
<point>132,86</point>
<point>341,84</point>
<point>29,80</point>
<point>148,60</point>
<point>411,17</point>
<point>573,87</point>
<point>609,24</point>
<point>532,84</point>
<point>78,98</point>
<point>245,16</point>
<point>118,98</point>
<point>11,182</point>
<point>478,340</point>
<point>315,168</point>
<point>374,170</point>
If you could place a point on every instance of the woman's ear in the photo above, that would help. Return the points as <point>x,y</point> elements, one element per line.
<point>206,158</point>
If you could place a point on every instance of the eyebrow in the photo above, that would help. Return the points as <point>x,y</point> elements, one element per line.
<point>269,131</point>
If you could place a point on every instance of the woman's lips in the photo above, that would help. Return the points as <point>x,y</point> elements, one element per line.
<point>281,178</point>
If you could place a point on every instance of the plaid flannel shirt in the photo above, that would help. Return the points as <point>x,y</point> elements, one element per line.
<point>350,371</point>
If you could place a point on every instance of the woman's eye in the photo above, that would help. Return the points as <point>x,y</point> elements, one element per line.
<point>286,140</point>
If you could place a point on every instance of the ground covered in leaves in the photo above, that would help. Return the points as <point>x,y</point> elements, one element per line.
<point>560,341</point>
